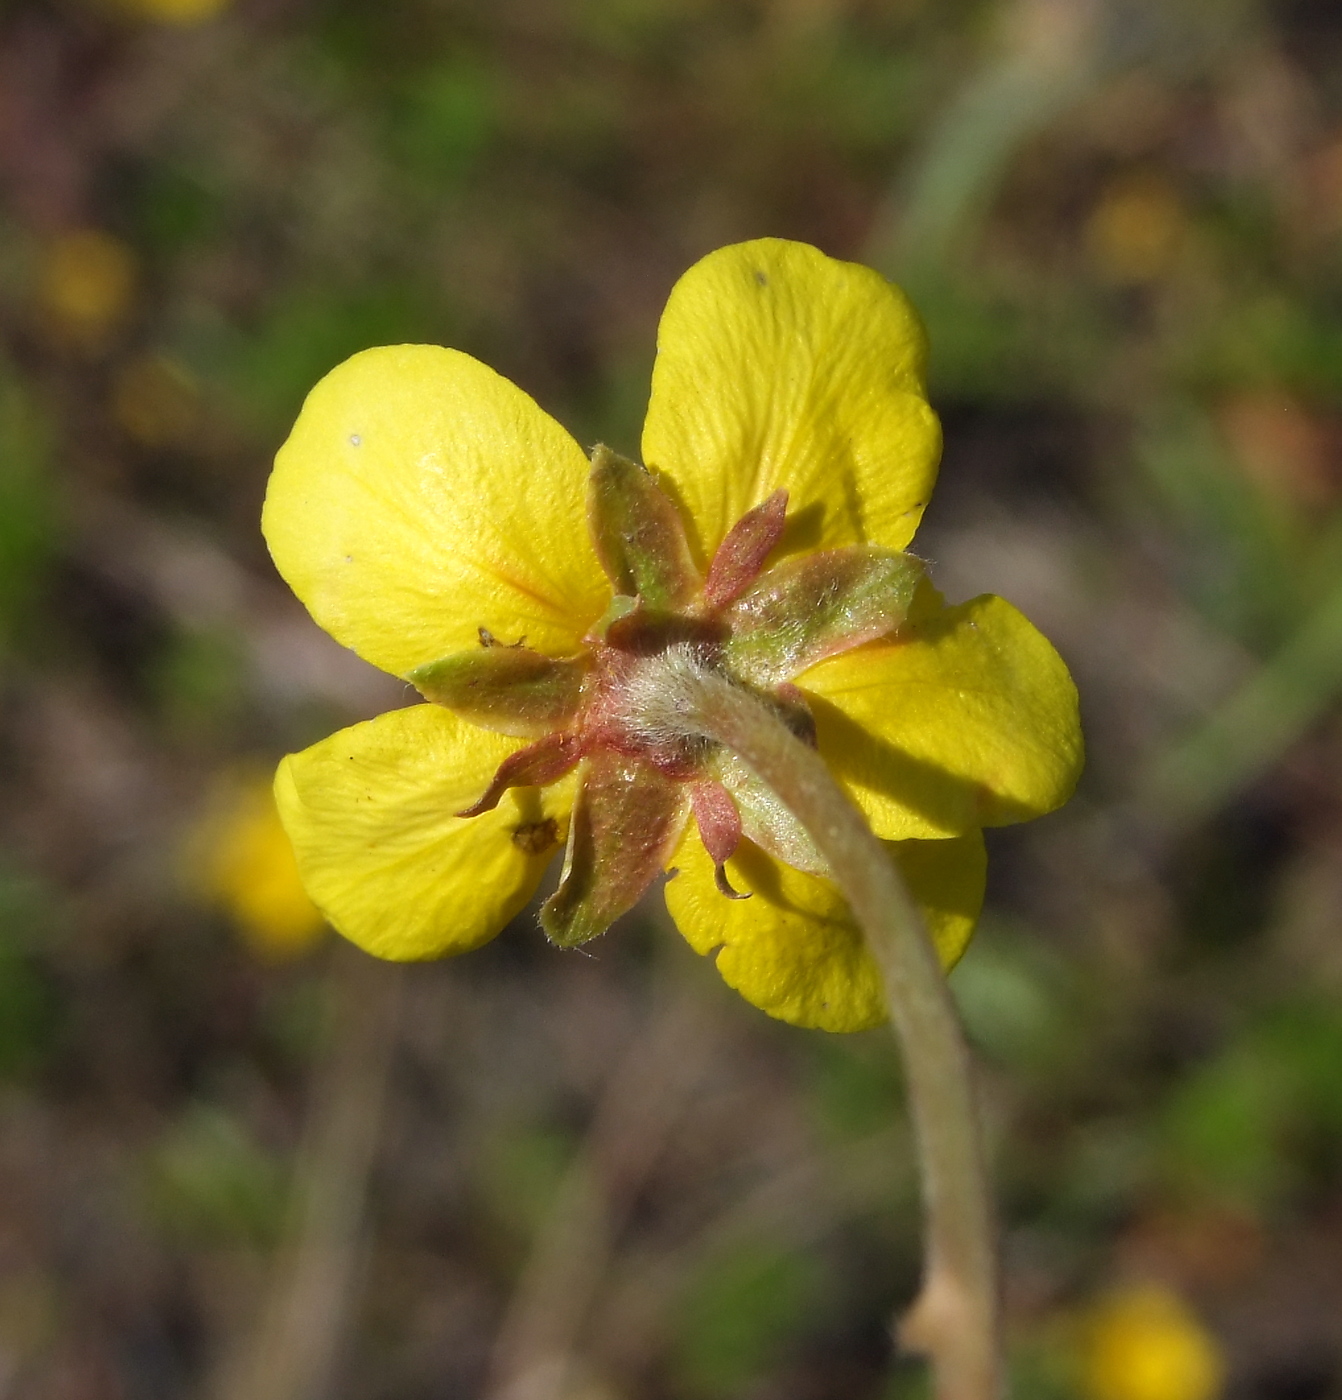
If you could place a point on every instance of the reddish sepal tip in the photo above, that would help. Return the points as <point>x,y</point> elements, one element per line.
<point>538,765</point>
<point>725,885</point>
<point>742,553</point>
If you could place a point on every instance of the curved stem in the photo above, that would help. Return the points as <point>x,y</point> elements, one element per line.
<point>954,1321</point>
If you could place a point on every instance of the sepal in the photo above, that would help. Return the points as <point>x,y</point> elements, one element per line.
<point>719,823</point>
<point>765,820</point>
<point>509,689</point>
<point>537,765</point>
<point>815,606</point>
<point>627,819</point>
<point>638,533</point>
<point>621,605</point>
<point>742,553</point>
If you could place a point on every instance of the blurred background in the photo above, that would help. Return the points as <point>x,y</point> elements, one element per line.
<point>241,1161</point>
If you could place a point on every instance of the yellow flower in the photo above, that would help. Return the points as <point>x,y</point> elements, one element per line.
<point>1137,231</point>
<point>177,12</point>
<point>243,859</point>
<point>1144,1344</point>
<point>423,506</point>
<point>86,283</point>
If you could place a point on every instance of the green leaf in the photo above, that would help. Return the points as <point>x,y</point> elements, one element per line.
<point>739,1314</point>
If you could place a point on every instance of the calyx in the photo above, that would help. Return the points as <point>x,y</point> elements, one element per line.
<point>638,783</point>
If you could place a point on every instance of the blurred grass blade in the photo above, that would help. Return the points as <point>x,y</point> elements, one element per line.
<point>1048,63</point>
<point>302,1332</point>
<point>1254,727</point>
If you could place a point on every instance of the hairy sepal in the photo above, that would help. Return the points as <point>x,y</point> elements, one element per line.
<point>638,533</point>
<point>627,818</point>
<point>509,689</point>
<point>815,606</point>
<point>742,553</point>
<point>765,820</point>
<point>719,823</point>
<point>538,765</point>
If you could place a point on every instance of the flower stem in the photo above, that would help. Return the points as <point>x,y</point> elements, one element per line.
<point>954,1320</point>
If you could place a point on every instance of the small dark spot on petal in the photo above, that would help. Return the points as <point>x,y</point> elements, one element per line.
<point>761,277</point>
<point>535,838</point>
<point>349,559</point>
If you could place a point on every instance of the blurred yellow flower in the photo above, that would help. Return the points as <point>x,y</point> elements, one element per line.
<point>1135,232</point>
<point>181,12</point>
<point>434,519</point>
<point>243,860</point>
<point>86,281</point>
<point>1143,1343</point>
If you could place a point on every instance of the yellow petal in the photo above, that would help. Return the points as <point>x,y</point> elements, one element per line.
<point>793,949</point>
<point>780,367</point>
<point>370,813</point>
<point>1144,1343</point>
<point>968,719</point>
<point>420,497</point>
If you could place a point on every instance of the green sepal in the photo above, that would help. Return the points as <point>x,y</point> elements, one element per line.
<point>638,533</point>
<point>627,818</point>
<point>511,690</point>
<point>817,605</point>
<point>765,820</point>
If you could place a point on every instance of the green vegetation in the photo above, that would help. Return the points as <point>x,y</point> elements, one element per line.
<point>1122,223</point>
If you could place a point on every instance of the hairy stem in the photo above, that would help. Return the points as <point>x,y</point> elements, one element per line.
<point>954,1320</point>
